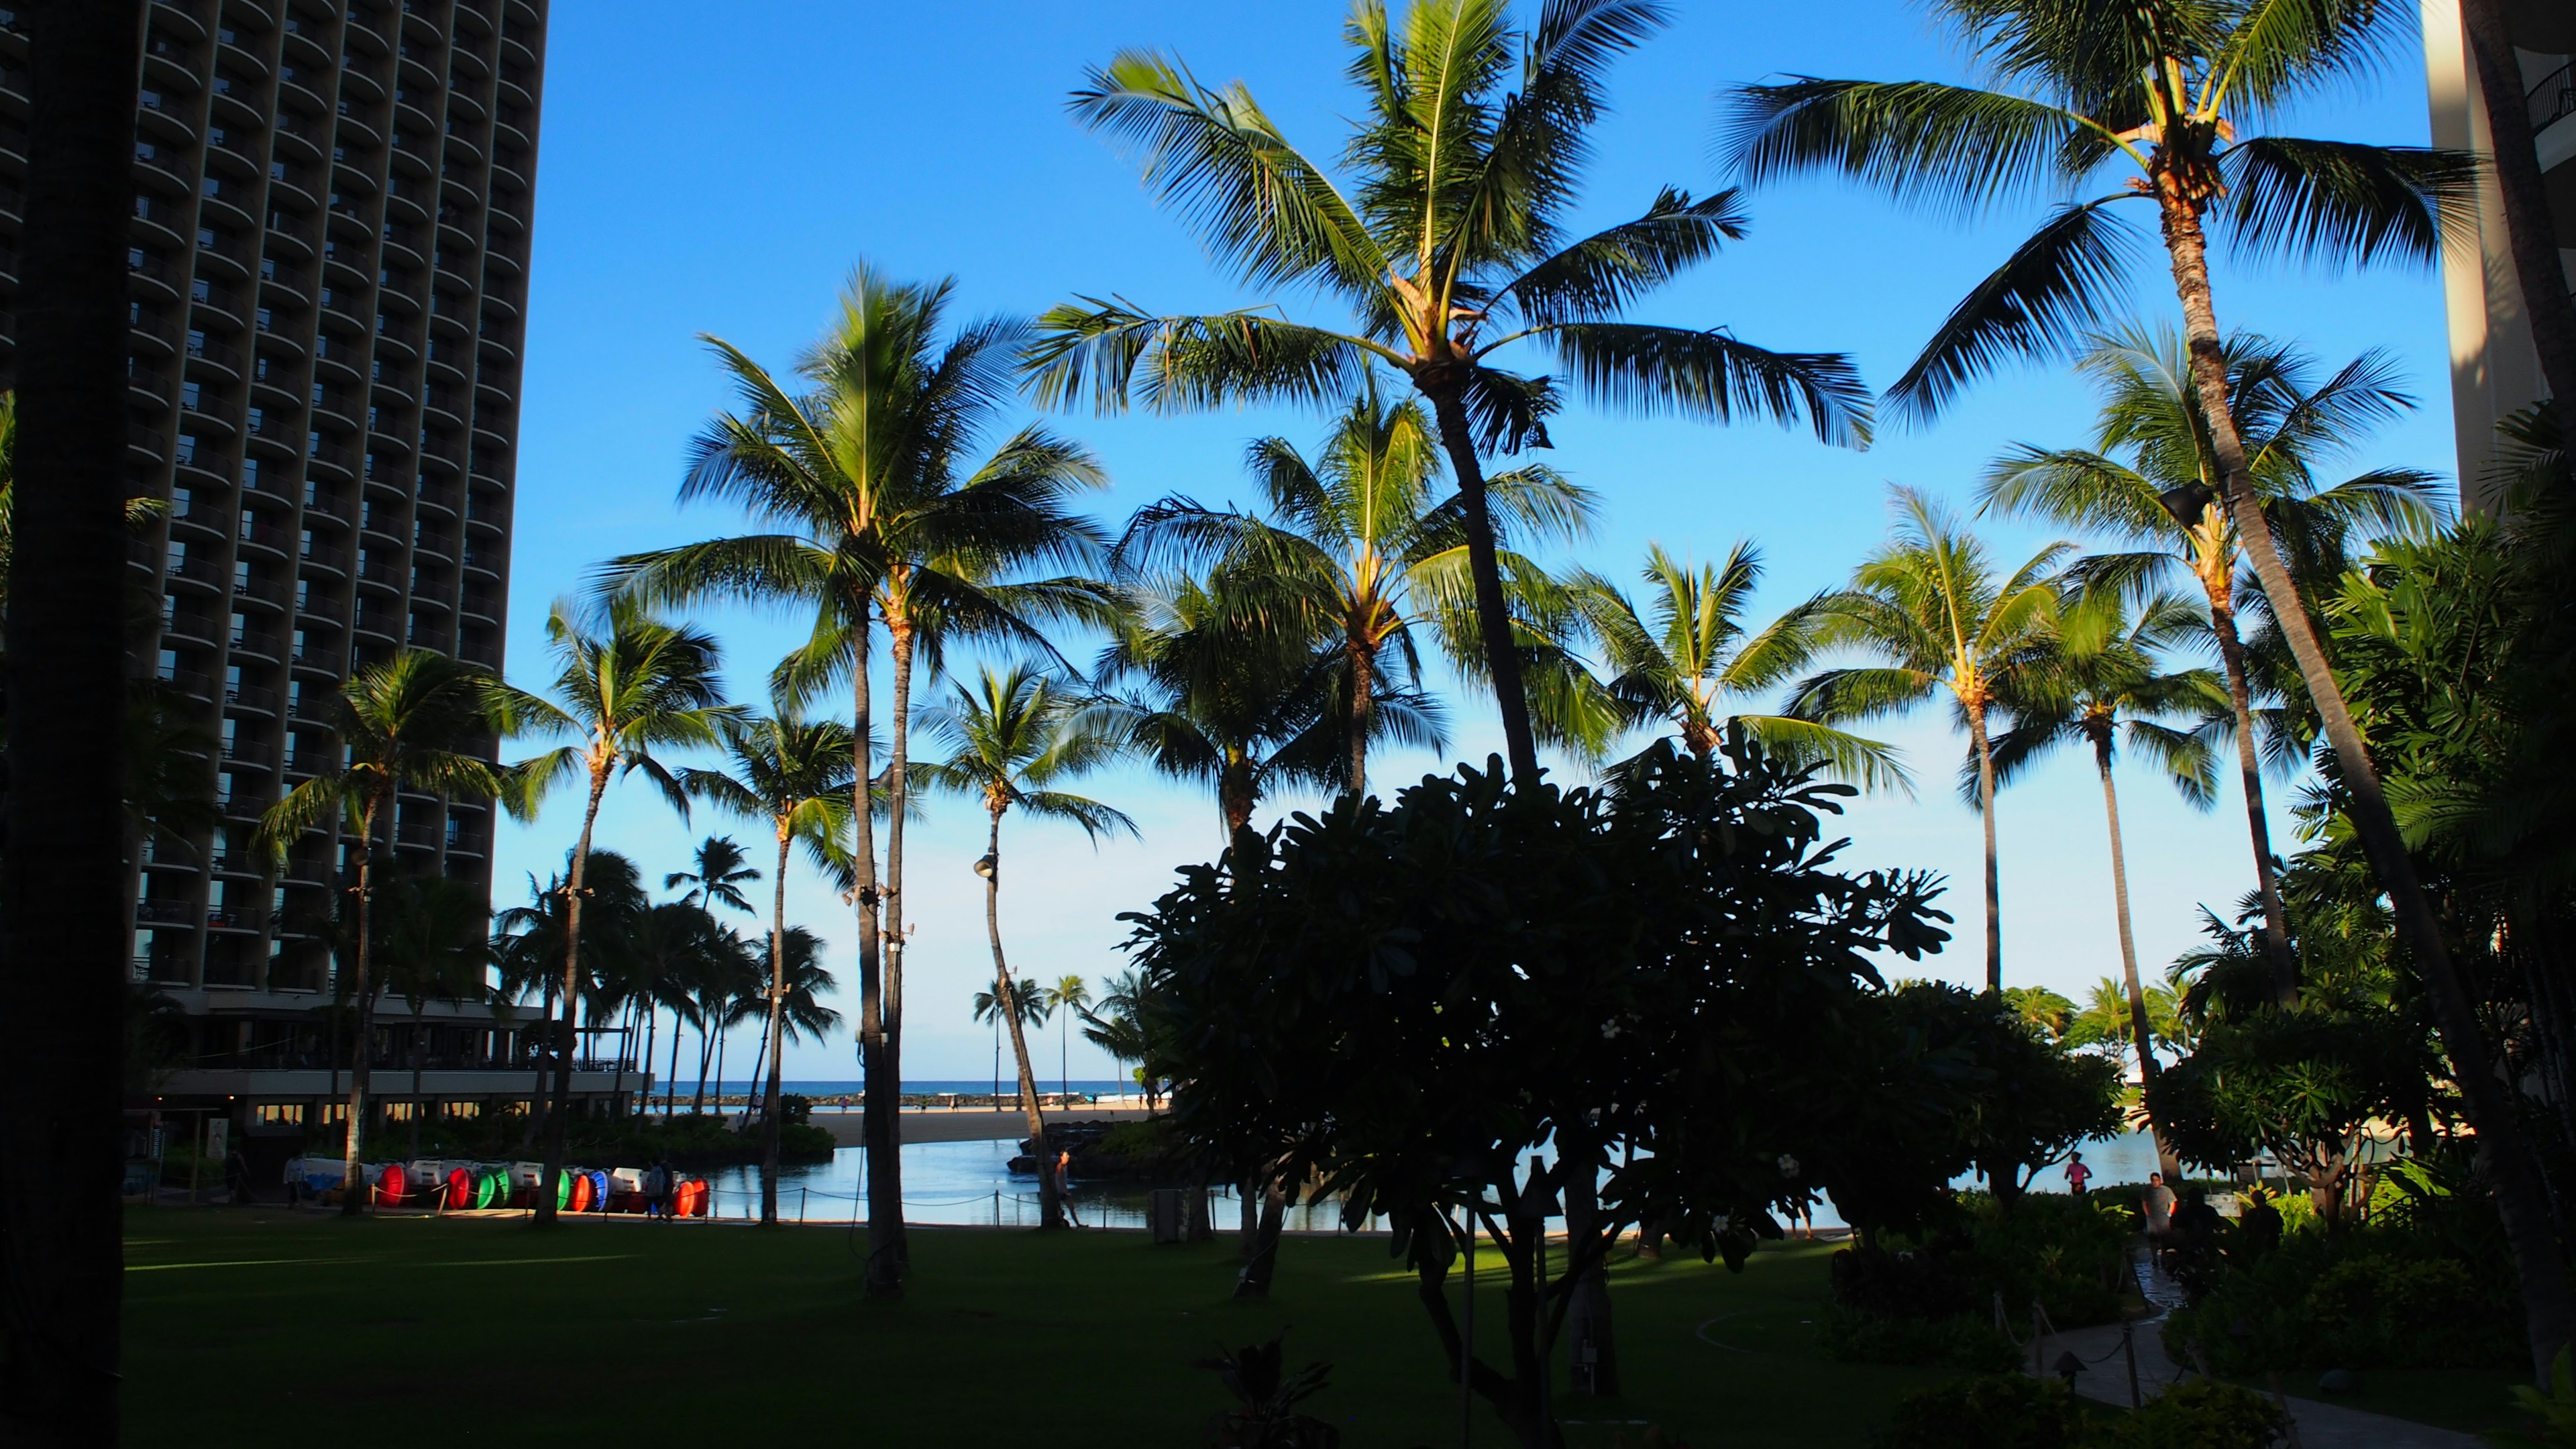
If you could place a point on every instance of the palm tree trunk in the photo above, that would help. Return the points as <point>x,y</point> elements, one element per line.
<point>899,631</point>
<point>416,1047</point>
<point>721,1035</point>
<point>706,1048</point>
<point>558,1113</point>
<point>2139,1031</point>
<point>2525,196</point>
<point>671,1083</point>
<point>771,1048</point>
<point>64,971</point>
<point>1006,1003</point>
<point>537,1092</point>
<point>1994,875</point>
<point>652,1015</point>
<point>1493,614</point>
<point>1363,687</point>
<point>2249,770</point>
<point>2504,1151</point>
<point>353,1187</point>
<point>877,1109</point>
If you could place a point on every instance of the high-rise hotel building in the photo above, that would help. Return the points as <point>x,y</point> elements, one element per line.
<point>329,275</point>
<point>2495,370</point>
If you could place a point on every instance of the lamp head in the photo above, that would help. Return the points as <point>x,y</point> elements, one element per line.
<point>2187,502</point>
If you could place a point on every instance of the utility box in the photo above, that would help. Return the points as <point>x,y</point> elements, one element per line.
<point>1163,1209</point>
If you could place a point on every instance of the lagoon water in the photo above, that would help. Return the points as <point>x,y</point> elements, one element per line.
<point>970,1184</point>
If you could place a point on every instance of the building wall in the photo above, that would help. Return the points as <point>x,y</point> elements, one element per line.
<point>328,277</point>
<point>2494,369</point>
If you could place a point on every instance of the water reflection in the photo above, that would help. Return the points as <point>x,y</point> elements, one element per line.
<point>970,1184</point>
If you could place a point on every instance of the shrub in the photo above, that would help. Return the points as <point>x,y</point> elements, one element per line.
<point>1960,1341</point>
<point>2201,1414</point>
<point>2070,1255</point>
<point>1990,1411</point>
<point>2370,1299</point>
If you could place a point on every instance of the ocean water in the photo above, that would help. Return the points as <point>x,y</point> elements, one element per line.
<point>979,1086</point>
<point>970,1184</point>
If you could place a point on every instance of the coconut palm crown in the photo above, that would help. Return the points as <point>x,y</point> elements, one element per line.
<point>2151,441</point>
<point>1444,239</point>
<point>1942,620</point>
<point>1676,664</point>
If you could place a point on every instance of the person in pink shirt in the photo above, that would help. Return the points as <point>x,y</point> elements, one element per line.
<point>2077,1174</point>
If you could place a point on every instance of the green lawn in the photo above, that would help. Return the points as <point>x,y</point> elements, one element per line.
<point>259,1326</point>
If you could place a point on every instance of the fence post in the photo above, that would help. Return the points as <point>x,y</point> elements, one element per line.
<point>2129,1348</point>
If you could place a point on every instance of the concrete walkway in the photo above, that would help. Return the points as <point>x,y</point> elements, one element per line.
<point>2318,1425</point>
<point>941,1124</point>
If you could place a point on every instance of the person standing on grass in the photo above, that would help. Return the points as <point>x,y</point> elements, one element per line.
<point>2077,1174</point>
<point>657,1190</point>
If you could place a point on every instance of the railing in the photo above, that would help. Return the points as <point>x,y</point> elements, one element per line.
<point>2554,97</point>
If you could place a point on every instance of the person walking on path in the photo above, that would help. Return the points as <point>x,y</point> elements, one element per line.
<point>1064,1186</point>
<point>2158,1208</point>
<point>657,1191</point>
<point>2077,1174</point>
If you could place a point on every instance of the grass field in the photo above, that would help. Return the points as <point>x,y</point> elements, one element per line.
<point>260,1326</point>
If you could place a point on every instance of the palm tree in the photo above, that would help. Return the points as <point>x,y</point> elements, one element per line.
<point>1444,239</point>
<point>2150,443</point>
<point>718,870</point>
<point>1118,1027</point>
<point>1695,653</point>
<point>1217,692</point>
<point>1030,1001</point>
<point>793,775</point>
<point>430,940</point>
<point>1067,997</point>
<point>1009,739</point>
<point>885,519</point>
<point>640,684</point>
<point>2106,682</point>
<point>1358,549</point>
<point>528,947</point>
<point>1931,605</point>
<point>2169,92</point>
<point>727,994</point>
<point>715,877</point>
<point>670,951</point>
<point>408,723</point>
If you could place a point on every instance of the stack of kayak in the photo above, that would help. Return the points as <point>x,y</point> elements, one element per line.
<point>454,1185</point>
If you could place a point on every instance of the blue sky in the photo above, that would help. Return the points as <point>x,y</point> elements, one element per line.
<point>723,177</point>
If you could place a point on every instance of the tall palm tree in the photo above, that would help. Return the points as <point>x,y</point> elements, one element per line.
<point>2169,94</point>
<point>1932,607</point>
<point>1444,237</point>
<point>528,949</point>
<point>717,872</point>
<point>620,693</point>
<point>1067,997</point>
<point>411,722</point>
<point>1029,1001</point>
<point>65,669</point>
<point>802,1014</point>
<point>1217,692</point>
<point>1357,546</point>
<point>671,950</point>
<point>2150,443</point>
<point>1678,669</point>
<point>2106,682</point>
<point>884,518</point>
<point>793,775</point>
<point>1118,1027</point>
<point>1010,739</point>
<point>431,942</point>
<point>723,999</point>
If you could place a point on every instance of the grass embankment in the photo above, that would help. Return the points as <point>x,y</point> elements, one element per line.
<point>242,1322</point>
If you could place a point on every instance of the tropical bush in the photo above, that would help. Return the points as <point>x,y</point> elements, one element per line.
<point>1958,1341</point>
<point>1993,1411</point>
<point>2372,1298</point>
<point>2009,1411</point>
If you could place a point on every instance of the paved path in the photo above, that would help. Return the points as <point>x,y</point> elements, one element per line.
<point>2319,1425</point>
<point>944,1125</point>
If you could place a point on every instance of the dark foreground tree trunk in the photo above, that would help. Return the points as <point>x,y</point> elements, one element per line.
<point>63,944</point>
<point>1493,612</point>
<point>1261,1255</point>
<point>1587,1320</point>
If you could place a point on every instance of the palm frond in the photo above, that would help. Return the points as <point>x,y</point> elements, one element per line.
<point>2339,203</point>
<point>2055,287</point>
<point>1712,376</point>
